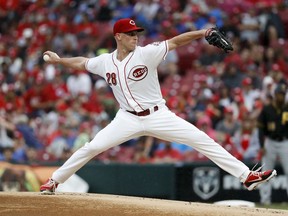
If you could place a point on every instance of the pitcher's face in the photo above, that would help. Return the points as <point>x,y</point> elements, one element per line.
<point>128,40</point>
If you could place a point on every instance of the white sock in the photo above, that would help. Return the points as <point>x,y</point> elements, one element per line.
<point>244,176</point>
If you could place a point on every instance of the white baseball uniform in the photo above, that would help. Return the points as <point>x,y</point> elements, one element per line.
<point>134,82</point>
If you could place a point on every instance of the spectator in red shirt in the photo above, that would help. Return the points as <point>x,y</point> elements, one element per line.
<point>13,102</point>
<point>246,141</point>
<point>35,98</point>
<point>56,90</point>
<point>86,27</point>
<point>167,154</point>
<point>2,98</point>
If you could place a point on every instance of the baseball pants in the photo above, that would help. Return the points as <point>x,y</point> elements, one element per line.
<point>274,150</point>
<point>162,124</point>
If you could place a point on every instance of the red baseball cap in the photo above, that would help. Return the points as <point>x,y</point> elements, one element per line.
<point>126,25</point>
<point>247,81</point>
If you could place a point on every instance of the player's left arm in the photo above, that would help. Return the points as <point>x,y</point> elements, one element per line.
<point>185,38</point>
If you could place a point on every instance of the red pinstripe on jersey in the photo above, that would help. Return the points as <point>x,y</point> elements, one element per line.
<point>127,82</point>
<point>119,79</point>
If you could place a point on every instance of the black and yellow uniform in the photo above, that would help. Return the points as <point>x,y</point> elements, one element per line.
<point>273,137</point>
<point>273,123</point>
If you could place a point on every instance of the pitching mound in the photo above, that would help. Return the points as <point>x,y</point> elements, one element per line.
<point>30,204</point>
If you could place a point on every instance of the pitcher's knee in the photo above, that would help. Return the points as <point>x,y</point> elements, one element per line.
<point>94,148</point>
<point>205,137</point>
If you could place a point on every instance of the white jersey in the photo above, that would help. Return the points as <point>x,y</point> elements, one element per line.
<point>134,80</point>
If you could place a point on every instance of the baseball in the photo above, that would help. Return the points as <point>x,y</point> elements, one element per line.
<point>46,57</point>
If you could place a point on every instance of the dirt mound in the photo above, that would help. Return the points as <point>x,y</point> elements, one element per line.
<point>30,204</point>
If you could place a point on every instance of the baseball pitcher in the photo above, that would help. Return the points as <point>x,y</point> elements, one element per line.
<point>131,71</point>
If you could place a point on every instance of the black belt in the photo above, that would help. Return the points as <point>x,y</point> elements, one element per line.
<point>144,112</point>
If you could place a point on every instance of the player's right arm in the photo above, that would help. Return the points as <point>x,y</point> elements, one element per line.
<point>77,63</point>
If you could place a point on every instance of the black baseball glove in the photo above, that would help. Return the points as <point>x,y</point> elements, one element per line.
<point>216,38</point>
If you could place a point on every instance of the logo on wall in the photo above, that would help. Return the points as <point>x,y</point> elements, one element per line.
<point>138,73</point>
<point>206,181</point>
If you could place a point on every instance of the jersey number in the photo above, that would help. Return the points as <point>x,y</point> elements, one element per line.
<point>111,78</point>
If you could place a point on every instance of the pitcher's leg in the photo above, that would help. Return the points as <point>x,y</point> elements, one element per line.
<point>166,125</point>
<point>121,129</point>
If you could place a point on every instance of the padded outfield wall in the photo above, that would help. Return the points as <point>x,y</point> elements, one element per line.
<point>204,182</point>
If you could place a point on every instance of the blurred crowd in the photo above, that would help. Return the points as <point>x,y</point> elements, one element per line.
<point>47,112</point>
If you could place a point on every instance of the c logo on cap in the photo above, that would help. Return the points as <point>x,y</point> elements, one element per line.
<point>132,22</point>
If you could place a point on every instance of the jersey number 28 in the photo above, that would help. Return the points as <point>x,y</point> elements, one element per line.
<point>111,78</point>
